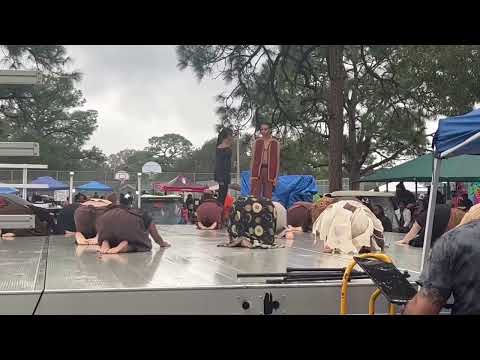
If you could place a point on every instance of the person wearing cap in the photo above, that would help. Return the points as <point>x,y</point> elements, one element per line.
<point>403,194</point>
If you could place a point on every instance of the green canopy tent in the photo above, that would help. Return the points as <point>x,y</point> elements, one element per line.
<point>464,168</point>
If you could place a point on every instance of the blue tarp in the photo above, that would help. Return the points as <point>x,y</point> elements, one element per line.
<point>52,183</point>
<point>455,130</point>
<point>8,190</point>
<point>290,188</point>
<point>95,186</point>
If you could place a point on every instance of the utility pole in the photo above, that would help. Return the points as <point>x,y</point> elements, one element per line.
<point>238,156</point>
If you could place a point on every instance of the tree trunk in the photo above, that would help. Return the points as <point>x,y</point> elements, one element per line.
<point>335,116</point>
<point>354,174</point>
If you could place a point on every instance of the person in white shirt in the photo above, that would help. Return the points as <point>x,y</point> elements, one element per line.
<point>403,217</point>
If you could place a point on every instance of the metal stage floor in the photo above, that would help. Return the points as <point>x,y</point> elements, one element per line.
<point>194,276</point>
<point>22,274</point>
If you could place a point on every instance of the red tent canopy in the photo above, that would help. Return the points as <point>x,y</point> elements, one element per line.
<point>179,184</point>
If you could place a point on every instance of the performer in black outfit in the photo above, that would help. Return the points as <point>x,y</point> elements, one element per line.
<point>223,163</point>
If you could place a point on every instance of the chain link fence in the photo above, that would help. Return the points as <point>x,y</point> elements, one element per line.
<point>15,176</point>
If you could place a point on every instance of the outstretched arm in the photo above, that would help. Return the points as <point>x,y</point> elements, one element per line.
<point>411,234</point>
<point>152,229</point>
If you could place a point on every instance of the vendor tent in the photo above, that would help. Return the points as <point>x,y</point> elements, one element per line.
<point>179,184</point>
<point>455,136</point>
<point>5,189</point>
<point>94,186</point>
<point>462,168</point>
<point>52,183</point>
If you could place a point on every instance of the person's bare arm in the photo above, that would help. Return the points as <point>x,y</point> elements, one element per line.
<point>152,229</point>
<point>411,234</point>
<point>426,302</point>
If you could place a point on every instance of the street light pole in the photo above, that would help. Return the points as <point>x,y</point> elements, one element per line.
<point>70,198</point>
<point>139,188</point>
<point>238,156</point>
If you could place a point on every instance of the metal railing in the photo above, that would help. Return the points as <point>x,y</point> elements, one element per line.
<point>108,177</point>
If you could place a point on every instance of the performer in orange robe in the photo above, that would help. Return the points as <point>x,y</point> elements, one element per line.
<point>265,163</point>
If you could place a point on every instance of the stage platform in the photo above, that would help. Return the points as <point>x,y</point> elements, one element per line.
<point>193,276</point>
<point>22,274</point>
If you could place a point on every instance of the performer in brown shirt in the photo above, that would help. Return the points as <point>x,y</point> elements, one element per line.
<point>86,218</point>
<point>265,164</point>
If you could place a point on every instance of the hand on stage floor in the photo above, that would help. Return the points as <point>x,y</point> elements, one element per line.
<point>164,244</point>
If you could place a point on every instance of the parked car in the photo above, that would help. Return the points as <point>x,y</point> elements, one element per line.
<point>14,205</point>
<point>385,199</point>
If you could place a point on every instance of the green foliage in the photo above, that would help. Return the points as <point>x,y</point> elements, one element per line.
<point>389,93</point>
<point>49,114</point>
<point>169,148</point>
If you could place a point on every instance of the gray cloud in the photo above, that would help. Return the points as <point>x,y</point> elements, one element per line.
<point>139,92</point>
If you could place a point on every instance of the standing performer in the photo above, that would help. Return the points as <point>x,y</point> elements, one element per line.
<point>265,163</point>
<point>223,163</point>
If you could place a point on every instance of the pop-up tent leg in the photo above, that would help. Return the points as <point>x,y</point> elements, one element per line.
<point>430,214</point>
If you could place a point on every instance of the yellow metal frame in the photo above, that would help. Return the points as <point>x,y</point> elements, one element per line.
<point>376,293</point>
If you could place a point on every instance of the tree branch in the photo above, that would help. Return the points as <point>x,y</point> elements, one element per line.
<point>384,161</point>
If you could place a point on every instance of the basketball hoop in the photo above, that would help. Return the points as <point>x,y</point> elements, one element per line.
<point>122,176</point>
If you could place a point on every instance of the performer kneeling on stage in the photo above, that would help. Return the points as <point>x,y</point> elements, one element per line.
<point>87,216</point>
<point>121,230</point>
<point>209,215</point>
<point>349,226</point>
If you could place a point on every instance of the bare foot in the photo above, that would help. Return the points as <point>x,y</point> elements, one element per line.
<point>165,244</point>
<point>246,243</point>
<point>93,241</point>
<point>80,239</point>
<point>8,236</point>
<point>326,249</point>
<point>120,248</point>
<point>104,247</point>
<point>401,242</point>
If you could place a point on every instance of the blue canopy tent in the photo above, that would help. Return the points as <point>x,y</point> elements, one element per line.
<point>95,186</point>
<point>457,135</point>
<point>289,189</point>
<point>7,190</point>
<point>52,183</point>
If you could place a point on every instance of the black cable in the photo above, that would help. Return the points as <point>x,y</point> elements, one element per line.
<point>44,255</point>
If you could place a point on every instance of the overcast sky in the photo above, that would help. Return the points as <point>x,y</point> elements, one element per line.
<point>139,92</point>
